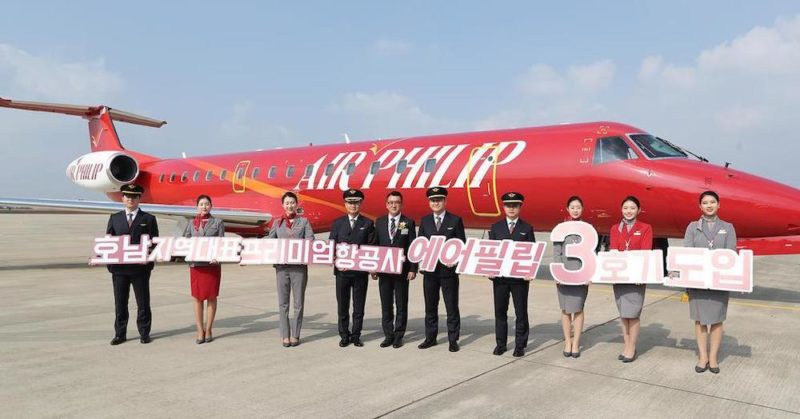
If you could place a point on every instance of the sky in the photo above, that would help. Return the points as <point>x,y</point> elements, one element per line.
<point>720,78</point>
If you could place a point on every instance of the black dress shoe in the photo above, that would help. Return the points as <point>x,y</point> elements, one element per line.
<point>499,350</point>
<point>631,359</point>
<point>295,342</point>
<point>344,342</point>
<point>620,357</point>
<point>576,354</point>
<point>426,344</point>
<point>569,354</point>
<point>146,339</point>
<point>286,344</point>
<point>357,342</point>
<point>398,343</point>
<point>117,340</point>
<point>700,369</point>
<point>714,370</point>
<point>518,352</point>
<point>453,346</point>
<point>200,341</point>
<point>387,342</point>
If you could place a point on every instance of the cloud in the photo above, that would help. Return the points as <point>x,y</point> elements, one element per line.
<point>735,101</point>
<point>38,146</point>
<point>45,78</point>
<point>385,113</point>
<point>391,47</point>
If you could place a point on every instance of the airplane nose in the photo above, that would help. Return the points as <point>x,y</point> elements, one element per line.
<point>761,207</point>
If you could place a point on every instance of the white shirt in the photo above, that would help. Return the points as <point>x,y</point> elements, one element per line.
<point>509,221</point>
<point>134,212</point>
<point>441,217</point>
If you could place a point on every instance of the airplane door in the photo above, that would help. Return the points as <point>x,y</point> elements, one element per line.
<point>482,164</point>
<point>239,177</point>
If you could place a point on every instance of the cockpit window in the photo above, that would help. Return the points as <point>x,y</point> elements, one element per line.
<point>654,147</point>
<point>610,149</point>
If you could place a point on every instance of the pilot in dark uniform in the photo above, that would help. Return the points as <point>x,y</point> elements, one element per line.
<point>395,230</point>
<point>441,223</point>
<point>511,228</point>
<point>134,222</point>
<point>353,228</point>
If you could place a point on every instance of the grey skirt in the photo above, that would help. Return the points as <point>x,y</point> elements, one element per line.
<point>630,299</point>
<point>708,306</point>
<point>571,298</point>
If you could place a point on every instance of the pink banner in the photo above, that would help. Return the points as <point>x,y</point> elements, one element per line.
<point>506,258</point>
<point>118,250</point>
<point>718,269</point>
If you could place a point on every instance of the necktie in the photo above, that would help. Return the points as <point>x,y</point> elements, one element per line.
<point>392,229</point>
<point>352,223</point>
<point>511,227</point>
<point>438,222</point>
<point>130,219</point>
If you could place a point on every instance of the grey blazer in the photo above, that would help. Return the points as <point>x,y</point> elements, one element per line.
<point>723,235</point>
<point>301,229</point>
<point>215,227</point>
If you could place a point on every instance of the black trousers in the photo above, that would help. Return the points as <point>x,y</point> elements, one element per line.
<point>431,285</point>
<point>122,290</point>
<point>345,285</point>
<point>518,290</point>
<point>393,290</point>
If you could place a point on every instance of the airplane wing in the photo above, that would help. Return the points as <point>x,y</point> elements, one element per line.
<point>247,218</point>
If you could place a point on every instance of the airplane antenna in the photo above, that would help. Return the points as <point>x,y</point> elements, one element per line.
<point>183,154</point>
<point>346,138</point>
<point>727,164</point>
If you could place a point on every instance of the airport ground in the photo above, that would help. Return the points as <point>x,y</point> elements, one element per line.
<point>57,313</point>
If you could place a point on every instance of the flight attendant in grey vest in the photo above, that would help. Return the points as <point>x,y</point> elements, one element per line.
<point>708,308</point>
<point>291,279</point>
<point>571,298</point>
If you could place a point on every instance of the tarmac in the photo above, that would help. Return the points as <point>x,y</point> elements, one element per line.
<point>57,313</point>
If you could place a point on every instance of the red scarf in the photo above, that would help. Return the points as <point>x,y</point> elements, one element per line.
<point>288,219</point>
<point>200,219</point>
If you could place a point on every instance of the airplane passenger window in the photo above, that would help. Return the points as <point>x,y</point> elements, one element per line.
<point>161,178</point>
<point>272,171</point>
<point>374,167</point>
<point>290,171</point>
<point>196,176</point>
<point>256,172</point>
<point>223,174</point>
<point>430,164</point>
<point>184,176</point>
<point>172,177</point>
<point>401,166</point>
<point>208,175</point>
<point>329,169</point>
<point>611,149</point>
<point>239,173</point>
<point>655,147</point>
<point>309,170</point>
<point>351,167</point>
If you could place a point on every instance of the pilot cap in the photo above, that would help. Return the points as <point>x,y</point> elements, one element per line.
<point>436,192</point>
<point>512,198</point>
<point>353,195</point>
<point>132,189</point>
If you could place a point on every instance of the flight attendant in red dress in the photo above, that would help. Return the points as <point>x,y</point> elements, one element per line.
<point>205,277</point>
<point>630,234</point>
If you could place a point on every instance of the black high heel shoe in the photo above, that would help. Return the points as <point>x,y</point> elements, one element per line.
<point>714,370</point>
<point>700,369</point>
<point>631,359</point>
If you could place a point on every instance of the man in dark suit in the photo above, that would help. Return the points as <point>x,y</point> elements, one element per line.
<point>441,223</point>
<point>352,228</point>
<point>395,230</point>
<point>511,228</point>
<point>134,222</point>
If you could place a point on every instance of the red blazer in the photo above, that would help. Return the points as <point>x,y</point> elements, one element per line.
<point>639,238</point>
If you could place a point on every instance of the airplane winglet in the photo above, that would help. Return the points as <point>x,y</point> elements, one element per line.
<point>82,111</point>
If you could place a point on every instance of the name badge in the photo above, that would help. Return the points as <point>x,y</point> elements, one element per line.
<point>637,233</point>
<point>449,228</point>
<point>362,228</point>
<point>143,225</point>
<point>404,231</point>
<point>722,232</point>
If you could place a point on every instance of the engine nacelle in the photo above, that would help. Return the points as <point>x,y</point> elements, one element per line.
<point>104,171</point>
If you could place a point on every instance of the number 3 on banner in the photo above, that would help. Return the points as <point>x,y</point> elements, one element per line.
<point>583,251</point>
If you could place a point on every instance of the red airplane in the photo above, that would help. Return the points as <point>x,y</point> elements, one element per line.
<point>601,161</point>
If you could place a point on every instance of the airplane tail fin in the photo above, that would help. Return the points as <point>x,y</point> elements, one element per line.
<point>102,133</point>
